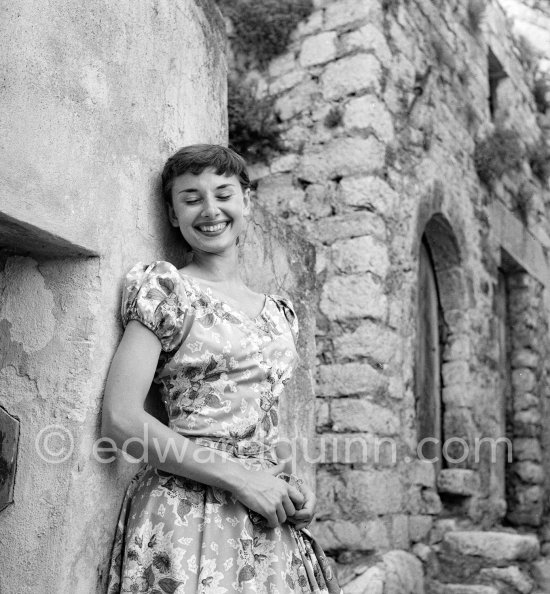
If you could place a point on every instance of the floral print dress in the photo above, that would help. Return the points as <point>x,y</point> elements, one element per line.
<point>220,374</point>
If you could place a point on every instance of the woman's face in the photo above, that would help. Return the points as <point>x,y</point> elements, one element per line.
<point>209,209</point>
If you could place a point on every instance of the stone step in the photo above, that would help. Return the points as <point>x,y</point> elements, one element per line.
<point>498,548</point>
<point>540,571</point>
<point>440,588</point>
<point>507,577</point>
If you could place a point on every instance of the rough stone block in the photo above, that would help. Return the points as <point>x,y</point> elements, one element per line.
<point>441,527</point>
<point>312,24</point>
<point>277,192</point>
<point>527,448</point>
<point>356,74</point>
<point>529,472</point>
<point>436,587</point>
<point>354,448</point>
<point>524,401</point>
<point>349,378</point>
<point>404,573</point>
<point>369,113</point>
<point>363,493</point>
<point>458,347</point>
<point>318,49</point>
<point>286,81</point>
<point>525,358</point>
<point>297,100</point>
<point>455,373</point>
<point>361,254</point>
<point>400,531</point>
<point>369,191</point>
<point>493,546</point>
<point>284,164</point>
<point>370,340</point>
<point>353,225</point>
<point>458,481</point>
<point>430,503</point>
<point>419,527</point>
<point>509,576</point>
<point>346,13</point>
<point>363,415</point>
<point>523,380</point>
<point>458,395</point>
<point>353,296</point>
<point>420,472</point>
<point>422,551</point>
<point>341,157</point>
<point>282,64</point>
<point>368,38</point>
<point>371,581</point>
<point>368,535</point>
<point>540,570</point>
<point>322,414</point>
<point>527,423</point>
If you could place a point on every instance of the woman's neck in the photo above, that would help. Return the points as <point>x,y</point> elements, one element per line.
<point>222,267</point>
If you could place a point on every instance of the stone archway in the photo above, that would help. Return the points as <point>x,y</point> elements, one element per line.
<point>444,400</point>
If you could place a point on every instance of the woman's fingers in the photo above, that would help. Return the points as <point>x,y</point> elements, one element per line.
<point>297,498</point>
<point>303,515</point>
<point>288,506</point>
<point>281,515</point>
<point>275,470</point>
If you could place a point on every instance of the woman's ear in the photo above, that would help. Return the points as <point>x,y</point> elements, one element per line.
<point>172,217</point>
<point>246,202</point>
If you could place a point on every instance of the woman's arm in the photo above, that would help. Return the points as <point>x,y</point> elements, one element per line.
<point>126,422</point>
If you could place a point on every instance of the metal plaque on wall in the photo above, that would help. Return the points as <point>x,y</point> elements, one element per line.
<point>9,440</point>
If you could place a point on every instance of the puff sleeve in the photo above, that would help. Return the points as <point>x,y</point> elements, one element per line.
<point>286,307</point>
<point>153,295</point>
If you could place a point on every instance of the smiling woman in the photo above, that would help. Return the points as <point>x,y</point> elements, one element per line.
<point>214,509</point>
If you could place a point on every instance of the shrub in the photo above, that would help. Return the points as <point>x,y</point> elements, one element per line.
<point>475,13</point>
<point>539,160</point>
<point>253,128</point>
<point>497,153</point>
<point>263,27</point>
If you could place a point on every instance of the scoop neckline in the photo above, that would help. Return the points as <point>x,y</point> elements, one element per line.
<point>196,282</point>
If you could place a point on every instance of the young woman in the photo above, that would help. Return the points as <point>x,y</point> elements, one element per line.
<point>213,510</point>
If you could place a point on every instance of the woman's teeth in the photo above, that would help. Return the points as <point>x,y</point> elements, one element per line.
<point>212,228</point>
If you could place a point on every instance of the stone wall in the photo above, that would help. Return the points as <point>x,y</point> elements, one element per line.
<point>531,18</point>
<point>381,104</point>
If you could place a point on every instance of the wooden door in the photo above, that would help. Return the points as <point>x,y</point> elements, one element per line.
<point>428,362</point>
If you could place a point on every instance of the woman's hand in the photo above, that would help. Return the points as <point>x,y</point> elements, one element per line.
<point>271,497</point>
<point>303,517</point>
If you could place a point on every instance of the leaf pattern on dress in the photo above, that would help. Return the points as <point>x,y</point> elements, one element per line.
<point>168,585</point>
<point>223,382</point>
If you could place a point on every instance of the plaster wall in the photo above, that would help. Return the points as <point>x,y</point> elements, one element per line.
<point>95,97</point>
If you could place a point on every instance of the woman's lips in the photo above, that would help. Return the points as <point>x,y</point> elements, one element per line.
<point>212,229</point>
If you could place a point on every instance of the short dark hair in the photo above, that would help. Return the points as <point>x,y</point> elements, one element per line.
<point>195,158</point>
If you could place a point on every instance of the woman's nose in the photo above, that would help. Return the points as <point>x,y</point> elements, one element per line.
<point>210,208</point>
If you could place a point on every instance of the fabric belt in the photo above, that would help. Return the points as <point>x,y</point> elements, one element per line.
<point>240,449</point>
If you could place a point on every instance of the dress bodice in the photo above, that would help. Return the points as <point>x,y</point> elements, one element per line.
<point>220,372</point>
